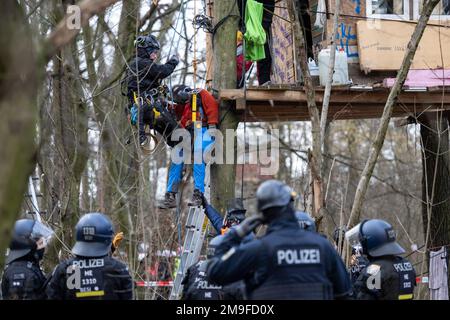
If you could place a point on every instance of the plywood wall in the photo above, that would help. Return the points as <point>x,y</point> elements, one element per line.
<point>351,12</point>
<point>283,70</point>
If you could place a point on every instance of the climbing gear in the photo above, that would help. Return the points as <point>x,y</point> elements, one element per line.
<point>181,94</point>
<point>134,115</point>
<point>149,43</point>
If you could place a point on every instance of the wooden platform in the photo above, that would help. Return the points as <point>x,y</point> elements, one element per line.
<point>281,104</point>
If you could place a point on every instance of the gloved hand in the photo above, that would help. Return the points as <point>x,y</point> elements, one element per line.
<point>174,58</point>
<point>133,114</point>
<point>116,241</point>
<point>248,225</point>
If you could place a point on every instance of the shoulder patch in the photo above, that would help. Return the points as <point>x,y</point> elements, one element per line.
<point>373,269</point>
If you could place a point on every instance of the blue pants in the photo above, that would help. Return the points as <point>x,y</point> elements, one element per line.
<point>202,141</point>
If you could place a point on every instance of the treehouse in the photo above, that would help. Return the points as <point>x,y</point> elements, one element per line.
<point>374,35</point>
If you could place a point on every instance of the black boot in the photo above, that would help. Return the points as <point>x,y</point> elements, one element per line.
<point>196,200</point>
<point>169,201</point>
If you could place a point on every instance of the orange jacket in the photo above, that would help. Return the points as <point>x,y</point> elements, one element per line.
<point>210,110</point>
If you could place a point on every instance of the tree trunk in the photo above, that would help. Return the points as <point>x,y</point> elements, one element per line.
<point>434,131</point>
<point>315,156</point>
<point>387,113</point>
<point>70,137</point>
<point>223,176</point>
<point>18,90</point>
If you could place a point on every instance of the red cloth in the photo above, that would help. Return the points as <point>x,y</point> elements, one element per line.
<point>210,109</point>
<point>239,61</point>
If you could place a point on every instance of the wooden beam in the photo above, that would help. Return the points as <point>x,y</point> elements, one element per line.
<point>337,96</point>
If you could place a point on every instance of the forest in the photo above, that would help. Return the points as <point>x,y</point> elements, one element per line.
<point>69,149</point>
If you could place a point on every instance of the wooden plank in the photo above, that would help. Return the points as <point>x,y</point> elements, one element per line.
<point>337,96</point>
<point>335,114</point>
<point>382,45</point>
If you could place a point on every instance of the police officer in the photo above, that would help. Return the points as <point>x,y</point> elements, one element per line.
<point>92,273</point>
<point>23,278</point>
<point>235,214</point>
<point>196,285</point>
<point>305,221</point>
<point>387,276</point>
<point>357,260</point>
<point>288,262</point>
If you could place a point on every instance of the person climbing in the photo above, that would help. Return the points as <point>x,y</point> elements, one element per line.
<point>143,78</point>
<point>287,262</point>
<point>264,66</point>
<point>92,274</point>
<point>23,278</point>
<point>388,276</point>
<point>207,117</point>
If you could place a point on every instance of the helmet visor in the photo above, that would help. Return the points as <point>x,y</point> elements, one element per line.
<point>352,235</point>
<point>42,234</point>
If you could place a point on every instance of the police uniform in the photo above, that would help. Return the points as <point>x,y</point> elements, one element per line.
<point>386,278</point>
<point>196,285</point>
<point>23,280</point>
<point>98,278</point>
<point>287,263</point>
<point>355,270</point>
<point>92,274</point>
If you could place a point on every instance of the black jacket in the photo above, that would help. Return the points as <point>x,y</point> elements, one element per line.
<point>147,74</point>
<point>287,263</point>
<point>23,280</point>
<point>103,278</point>
<point>386,278</point>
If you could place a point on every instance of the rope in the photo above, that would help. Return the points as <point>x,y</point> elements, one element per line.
<point>245,99</point>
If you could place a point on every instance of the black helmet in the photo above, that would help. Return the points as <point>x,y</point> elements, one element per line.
<point>212,246</point>
<point>305,221</point>
<point>235,211</point>
<point>378,238</point>
<point>28,236</point>
<point>181,93</point>
<point>273,193</point>
<point>94,232</point>
<point>149,43</point>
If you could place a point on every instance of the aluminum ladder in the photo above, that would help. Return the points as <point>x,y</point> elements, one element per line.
<point>196,224</point>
